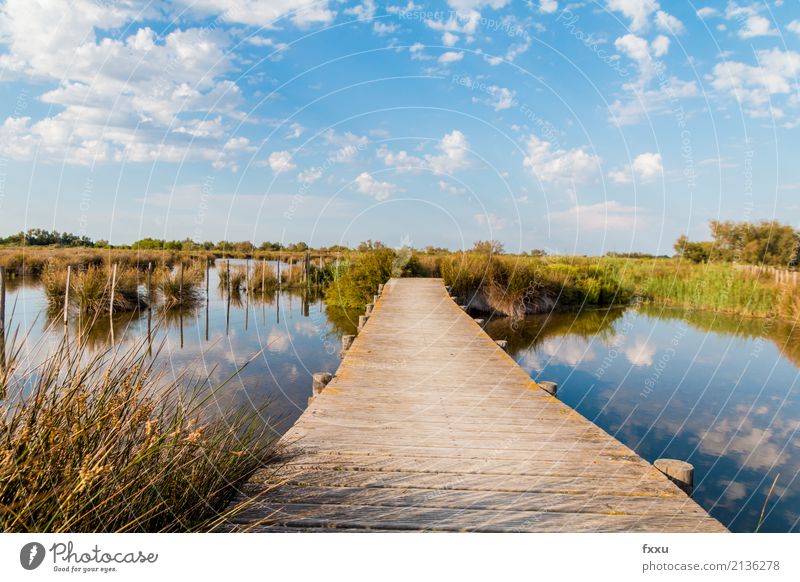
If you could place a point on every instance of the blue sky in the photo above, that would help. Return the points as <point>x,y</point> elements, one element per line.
<point>575,127</point>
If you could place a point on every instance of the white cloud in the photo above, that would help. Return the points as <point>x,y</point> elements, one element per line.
<point>309,175</point>
<point>751,23</point>
<point>259,13</point>
<point>450,188</point>
<point>645,102</point>
<point>380,191</point>
<point>755,87</point>
<point>501,97</point>
<point>381,28</point>
<point>668,23</point>
<point>281,162</point>
<point>794,26</point>
<point>707,12</point>
<point>449,39</point>
<point>548,6</point>
<point>363,11</point>
<point>609,215</point>
<point>491,220</point>
<point>454,156</point>
<point>638,11</point>
<point>660,45</point>
<point>402,160</point>
<point>454,147</point>
<point>451,57</point>
<point>559,166</point>
<point>140,97</point>
<point>647,167</point>
<point>295,131</point>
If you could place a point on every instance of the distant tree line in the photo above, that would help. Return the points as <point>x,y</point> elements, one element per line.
<point>38,237</point>
<point>767,242</point>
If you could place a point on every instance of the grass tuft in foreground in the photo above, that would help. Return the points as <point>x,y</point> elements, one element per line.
<point>105,443</point>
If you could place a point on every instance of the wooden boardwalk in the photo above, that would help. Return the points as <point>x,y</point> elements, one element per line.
<point>428,425</point>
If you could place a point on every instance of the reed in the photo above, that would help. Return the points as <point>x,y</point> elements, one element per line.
<point>355,282</point>
<point>262,279</point>
<point>107,443</point>
<point>181,290</point>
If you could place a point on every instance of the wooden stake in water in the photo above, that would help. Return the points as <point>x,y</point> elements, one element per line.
<point>2,316</point>
<point>246,294</point>
<point>66,295</point>
<point>113,289</point>
<point>228,309</point>
<point>208,284</point>
<point>279,271</point>
<point>149,306</point>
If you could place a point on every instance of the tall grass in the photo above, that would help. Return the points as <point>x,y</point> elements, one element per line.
<point>262,279</point>
<point>90,289</point>
<point>106,443</point>
<point>181,288</point>
<point>354,283</point>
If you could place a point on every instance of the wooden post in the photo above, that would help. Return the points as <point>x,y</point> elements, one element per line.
<point>550,387</point>
<point>113,289</point>
<point>502,343</point>
<point>66,295</point>
<point>679,472</point>
<point>150,286</point>
<point>180,287</point>
<point>362,321</point>
<point>478,320</point>
<point>380,288</point>
<point>368,309</point>
<point>2,316</point>
<point>375,299</point>
<point>320,380</point>
<point>279,270</point>
<point>307,268</point>
<point>347,341</point>
<point>263,278</point>
<point>208,279</point>
<point>228,308</point>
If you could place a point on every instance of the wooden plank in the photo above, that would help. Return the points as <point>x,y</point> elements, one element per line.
<point>429,426</point>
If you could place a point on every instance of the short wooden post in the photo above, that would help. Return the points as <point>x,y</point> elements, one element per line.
<point>279,270</point>
<point>550,387</point>
<point>463,307</point>
<point>448,288</point>
<point>66,295</point>
<point>362,321</point>
<point>150,286</point>
<point>320,380</point>
<point>375,299</point>
<point>180,286</point>
<point>2,316</point>
<point>380,288</point>
<point>347,341</point>
<point>208,279</point>
<point>679,472</point>
<point>453,298</point>
<point>478,320</point>
<point>502,343</point>
<point>113,289</point>
<point>368,309</point>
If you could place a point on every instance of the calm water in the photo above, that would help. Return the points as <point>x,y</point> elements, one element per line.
<point>298,335</point>
<point>719,392</point>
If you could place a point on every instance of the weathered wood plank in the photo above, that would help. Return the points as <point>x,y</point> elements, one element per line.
<point>428,425</point>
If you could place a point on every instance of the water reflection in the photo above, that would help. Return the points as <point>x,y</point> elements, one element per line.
<point>718,391</point>
<point>292,333</point>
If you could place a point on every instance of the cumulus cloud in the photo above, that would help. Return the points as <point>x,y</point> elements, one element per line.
<point>378,190</point>
<point>258,13</point>
<point>756,86</point>
<point>164,98</point>
<point>453,156</point>
<point>647,167</point>
<point>751,23</point>
<point>559,165</point>
<point>451,57</point>
<point>281,162</point>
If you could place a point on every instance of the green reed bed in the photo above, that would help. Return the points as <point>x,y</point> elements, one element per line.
<point>263,279</point>
<point>354,282</point>
<point>106,443</point>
